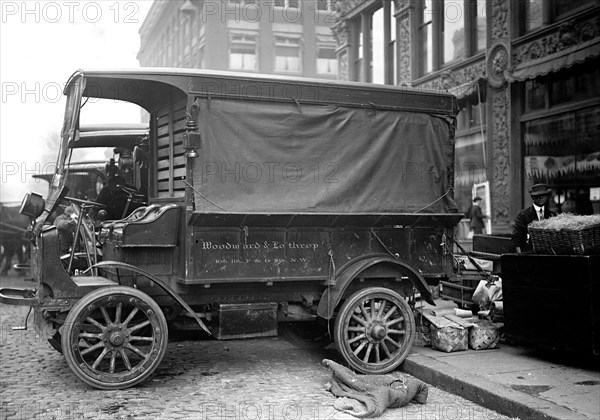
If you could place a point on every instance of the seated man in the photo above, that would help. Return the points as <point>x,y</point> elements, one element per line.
<point>116,195</point>
<point>66,224</point>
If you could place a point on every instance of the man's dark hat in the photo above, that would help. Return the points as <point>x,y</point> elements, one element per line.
<point>477,199</point>
<point>539,189</point>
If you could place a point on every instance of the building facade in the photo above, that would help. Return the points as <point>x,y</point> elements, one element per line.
<point>527,75</point>
<point>288,37</point>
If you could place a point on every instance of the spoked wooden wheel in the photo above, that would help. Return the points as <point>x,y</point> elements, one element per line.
<point>375,330</point>
<point>114,337</point>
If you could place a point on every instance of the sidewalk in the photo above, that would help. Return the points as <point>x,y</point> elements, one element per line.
<point>515,381</point>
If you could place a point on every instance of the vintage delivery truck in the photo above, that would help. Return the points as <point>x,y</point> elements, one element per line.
<point>323,206</point>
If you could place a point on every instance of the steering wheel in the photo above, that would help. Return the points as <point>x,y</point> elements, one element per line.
<point>86,203</point>
<point>129,191</point>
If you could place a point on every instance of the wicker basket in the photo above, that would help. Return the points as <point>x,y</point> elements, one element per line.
<point>449,338</point>
<point>566,241</point>
<point>484,335</point>
<point>423,336</point>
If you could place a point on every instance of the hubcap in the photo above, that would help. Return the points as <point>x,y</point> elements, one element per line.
<point>117,339</point>
<point>378,332</point>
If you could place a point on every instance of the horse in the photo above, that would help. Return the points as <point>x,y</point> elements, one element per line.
<point>13,238</point>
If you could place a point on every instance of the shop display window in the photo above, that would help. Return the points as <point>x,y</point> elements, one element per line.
<point>561,132</point>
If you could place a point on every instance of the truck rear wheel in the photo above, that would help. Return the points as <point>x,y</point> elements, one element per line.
<point>114,337</point>
<point>375,330</point>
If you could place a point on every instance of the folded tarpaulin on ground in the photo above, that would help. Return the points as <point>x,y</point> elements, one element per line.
<point>371,395</point>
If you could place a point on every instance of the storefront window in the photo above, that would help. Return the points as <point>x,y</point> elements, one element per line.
<point>470,152</point>
<point>564,150</point>
<point>564,7</point>
<point>536,13</point>
<point>535,95</point>
<point>581,85</point>
<point>469,167</point>
<point>470,116</point>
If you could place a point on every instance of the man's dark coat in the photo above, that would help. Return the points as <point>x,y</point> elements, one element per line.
<point>523,219</point>
<point>477,219</point>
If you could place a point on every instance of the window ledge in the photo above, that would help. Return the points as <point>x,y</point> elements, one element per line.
<point>454,66</point>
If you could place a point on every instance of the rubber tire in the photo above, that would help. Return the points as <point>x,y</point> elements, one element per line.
<point>89,299</point>
<point>344,315</point>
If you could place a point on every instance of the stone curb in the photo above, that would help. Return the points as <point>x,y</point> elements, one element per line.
<point>477,389</point>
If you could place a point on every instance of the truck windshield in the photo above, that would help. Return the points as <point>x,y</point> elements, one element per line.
<point>68,132</point>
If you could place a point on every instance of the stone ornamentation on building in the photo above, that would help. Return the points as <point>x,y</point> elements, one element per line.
<point>567,36</point>
<point>404,52</point>
<point>497,64</point>
<point>500,19</point>
<point>341,32</point>
<point>451,79</point>
<point>343,69</point>
<point>344,6</point>
<point>500,157</point>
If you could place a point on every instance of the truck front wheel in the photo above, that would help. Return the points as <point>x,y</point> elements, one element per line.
<point>375,330</point>
<point>114,337</point>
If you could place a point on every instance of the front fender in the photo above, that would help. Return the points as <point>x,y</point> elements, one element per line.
<point>156,280</point>
<point>344,277</point>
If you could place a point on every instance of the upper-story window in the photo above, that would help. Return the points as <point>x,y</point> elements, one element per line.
<point>325,5</point>
<point>327,63</point>
<point>243,51</point>
<point>453,32</point>
<point>288,53</point>
<point>292,4</point>
<point>448,31</point>
<point>536,13</point>
<point>425,28</point>
<point>374,45</point>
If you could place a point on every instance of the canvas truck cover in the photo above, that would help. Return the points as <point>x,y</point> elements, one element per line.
<point>272,157</point>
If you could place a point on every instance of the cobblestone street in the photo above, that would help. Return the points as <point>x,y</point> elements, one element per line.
<point>243,379</point>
